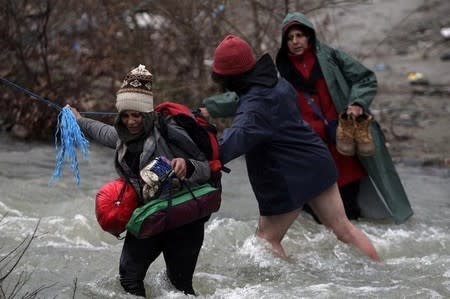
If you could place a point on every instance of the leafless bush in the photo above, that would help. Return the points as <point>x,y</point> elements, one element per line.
<point>77,51</point>
<point>8,264</point>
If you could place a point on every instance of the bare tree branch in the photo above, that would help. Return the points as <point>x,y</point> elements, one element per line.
<point>23,278</point>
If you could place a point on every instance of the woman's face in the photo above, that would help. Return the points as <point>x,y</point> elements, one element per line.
<point>297,41</point>
<point>133,121</point>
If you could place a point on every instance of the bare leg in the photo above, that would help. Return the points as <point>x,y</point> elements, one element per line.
<point>273,228</point>
<point>330,210</point>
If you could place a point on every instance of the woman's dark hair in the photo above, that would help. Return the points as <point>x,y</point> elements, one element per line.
<point>232,82</point>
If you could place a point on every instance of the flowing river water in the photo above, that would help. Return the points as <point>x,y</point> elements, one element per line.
<point>71,257</point>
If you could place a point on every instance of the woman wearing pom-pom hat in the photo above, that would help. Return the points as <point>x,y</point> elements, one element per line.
<point>137,140</point>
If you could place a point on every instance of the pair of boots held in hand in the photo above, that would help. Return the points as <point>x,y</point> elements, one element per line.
<point>353,135</point>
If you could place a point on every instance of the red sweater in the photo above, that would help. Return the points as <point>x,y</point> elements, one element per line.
<point>350,169</point>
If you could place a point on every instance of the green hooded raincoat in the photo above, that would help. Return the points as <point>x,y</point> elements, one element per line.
<point>382,194</point>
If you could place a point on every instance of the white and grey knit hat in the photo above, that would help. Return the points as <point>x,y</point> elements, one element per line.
<point>136,91</point>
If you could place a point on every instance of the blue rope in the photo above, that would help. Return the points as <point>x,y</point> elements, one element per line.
<point>68,138</point>
<point>46,100</point>
<point>31,94</point>
<point>98,113</point>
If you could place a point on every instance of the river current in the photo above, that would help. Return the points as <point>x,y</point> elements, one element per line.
<point>71,257</point>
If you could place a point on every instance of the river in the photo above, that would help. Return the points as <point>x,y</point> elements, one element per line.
<point>70,254</point>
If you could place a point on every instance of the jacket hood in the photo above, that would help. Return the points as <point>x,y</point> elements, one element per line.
<point>295,18</point>
<point>263,73</point>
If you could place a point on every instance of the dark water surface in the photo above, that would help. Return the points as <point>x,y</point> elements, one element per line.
<point>233,264</point>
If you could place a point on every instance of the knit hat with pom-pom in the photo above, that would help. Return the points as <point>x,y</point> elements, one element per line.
<point>136,92</point>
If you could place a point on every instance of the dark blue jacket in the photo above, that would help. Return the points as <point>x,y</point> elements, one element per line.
<point>287,163</point>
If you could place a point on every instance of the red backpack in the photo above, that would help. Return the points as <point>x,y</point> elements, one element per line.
<point>201,132</point>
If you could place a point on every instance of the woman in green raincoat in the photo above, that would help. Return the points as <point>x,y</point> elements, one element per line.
<point>342,88</point>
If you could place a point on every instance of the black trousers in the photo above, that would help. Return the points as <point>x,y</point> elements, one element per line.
<point>349,195</point>
<point>180,248</point>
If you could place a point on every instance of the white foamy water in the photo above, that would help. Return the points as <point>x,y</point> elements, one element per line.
<point>70,246</point>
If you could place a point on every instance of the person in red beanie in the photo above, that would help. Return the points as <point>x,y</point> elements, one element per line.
<point>234,56</point>
<point>288,164</point>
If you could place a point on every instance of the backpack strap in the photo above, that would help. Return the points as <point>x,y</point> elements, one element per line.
<point>315,107</point>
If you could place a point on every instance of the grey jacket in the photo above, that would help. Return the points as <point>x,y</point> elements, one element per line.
<point>177,145</point>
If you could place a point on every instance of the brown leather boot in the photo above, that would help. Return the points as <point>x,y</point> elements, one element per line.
<point>363,138</point>
<point>345,143</point>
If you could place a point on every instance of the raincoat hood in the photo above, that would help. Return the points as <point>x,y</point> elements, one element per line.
<point>291,19</point>
<point>295,18</point>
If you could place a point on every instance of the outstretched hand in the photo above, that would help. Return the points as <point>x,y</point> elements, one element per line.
<point>204,112</point>
<point>75,112</point>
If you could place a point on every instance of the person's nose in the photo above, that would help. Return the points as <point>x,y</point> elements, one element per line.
<point>131,121</point>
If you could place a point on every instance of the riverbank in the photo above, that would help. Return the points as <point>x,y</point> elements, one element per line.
<point>393,38</point>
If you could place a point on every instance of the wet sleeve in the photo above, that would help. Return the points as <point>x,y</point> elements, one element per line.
<point>362,81</point>
<point>249,129</point>
<point>100,132</point>
<point>222,105</point>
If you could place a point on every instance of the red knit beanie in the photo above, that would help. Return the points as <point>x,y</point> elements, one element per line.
<point>233,56</point>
